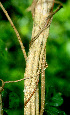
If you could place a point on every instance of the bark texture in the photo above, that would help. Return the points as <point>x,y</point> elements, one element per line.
<point>36,57</point>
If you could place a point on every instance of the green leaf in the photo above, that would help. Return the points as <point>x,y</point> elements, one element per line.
<point>56,100</point>
<point>13,101</point>
<point>62,113</point>
<point>52,111</point>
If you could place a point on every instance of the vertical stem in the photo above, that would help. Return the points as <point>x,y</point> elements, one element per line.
<point>1,111</point>
<point>37,101</point>
<point>35,56</point>
<point>43,83</point>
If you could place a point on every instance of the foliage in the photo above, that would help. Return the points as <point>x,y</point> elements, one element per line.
<point>12,63</point>
<point>53,103</point>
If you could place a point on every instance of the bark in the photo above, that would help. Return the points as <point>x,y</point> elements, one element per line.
<point>35,56</point>
<point>36,60</point>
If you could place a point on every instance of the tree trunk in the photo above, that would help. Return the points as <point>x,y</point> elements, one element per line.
<point>40,10</point>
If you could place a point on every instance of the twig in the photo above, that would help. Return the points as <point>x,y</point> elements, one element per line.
<point>18,80</point>
<point>17,34</point>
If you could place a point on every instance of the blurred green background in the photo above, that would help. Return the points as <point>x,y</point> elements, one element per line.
<point>12,62</point>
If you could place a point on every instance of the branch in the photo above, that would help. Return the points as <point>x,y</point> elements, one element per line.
<point>17,34</point>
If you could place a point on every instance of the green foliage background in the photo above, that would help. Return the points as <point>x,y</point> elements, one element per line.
<point>12,62</point>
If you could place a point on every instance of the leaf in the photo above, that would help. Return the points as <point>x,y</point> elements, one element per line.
<point>13,100</point>
<point>52,111</point>
<point>62,113</point>
<point>56,100</point>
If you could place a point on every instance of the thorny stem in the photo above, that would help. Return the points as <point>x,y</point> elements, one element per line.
<point>17,34</point>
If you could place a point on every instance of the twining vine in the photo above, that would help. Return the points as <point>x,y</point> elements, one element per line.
<point>43,65</point>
